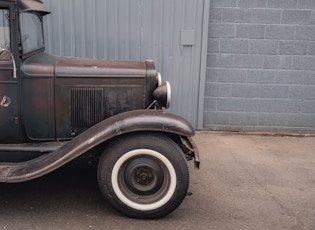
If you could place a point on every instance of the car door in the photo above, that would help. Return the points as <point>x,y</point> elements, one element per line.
<point>9,119</point>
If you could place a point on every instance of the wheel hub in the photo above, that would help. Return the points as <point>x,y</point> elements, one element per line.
<point>143,176</point>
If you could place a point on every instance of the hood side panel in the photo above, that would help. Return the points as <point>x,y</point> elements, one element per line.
<point>89,91</point>
<point>63,96</point>
<point>86,102</point>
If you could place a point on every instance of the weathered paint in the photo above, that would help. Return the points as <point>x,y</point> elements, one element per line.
<point>60,92</point>
<point>133,121</point>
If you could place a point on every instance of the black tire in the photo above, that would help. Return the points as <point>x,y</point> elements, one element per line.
<point>143,175</point>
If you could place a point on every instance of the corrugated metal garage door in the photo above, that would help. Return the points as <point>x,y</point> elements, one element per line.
<point>171,32</point>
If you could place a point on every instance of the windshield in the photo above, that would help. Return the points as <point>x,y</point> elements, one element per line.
<point>4,29</point>
<point>31,32</point>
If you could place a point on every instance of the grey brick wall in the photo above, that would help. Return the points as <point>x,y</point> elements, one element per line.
<point>261,65</point>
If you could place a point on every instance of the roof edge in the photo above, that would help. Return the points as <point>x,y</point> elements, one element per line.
<point>33,5</point>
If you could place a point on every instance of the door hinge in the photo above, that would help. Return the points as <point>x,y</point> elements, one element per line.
<point>13,16</point>
<point>16,120</point>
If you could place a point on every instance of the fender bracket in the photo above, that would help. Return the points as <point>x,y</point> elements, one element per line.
<point>192,151</point>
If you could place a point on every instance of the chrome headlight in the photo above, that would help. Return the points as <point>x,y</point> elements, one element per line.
<point>162,94</point>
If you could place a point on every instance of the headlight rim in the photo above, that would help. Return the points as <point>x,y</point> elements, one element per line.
<point>162,94</point>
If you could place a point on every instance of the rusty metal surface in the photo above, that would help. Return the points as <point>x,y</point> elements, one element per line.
<point>32,5</point>
<point>33,146</point>
<point>49,82</point>
<point>196,152</point>
<point>44,64</point>
<point>76,67</point>
<point>39,65</point>
<point>151,82</point>
<point>38,97</point>
<point>38,111</point>
<point>140,120</point>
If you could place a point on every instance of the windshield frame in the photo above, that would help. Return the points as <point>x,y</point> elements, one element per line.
<point>23,38</point>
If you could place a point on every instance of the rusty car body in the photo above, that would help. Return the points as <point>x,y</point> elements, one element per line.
<point>55,109</point>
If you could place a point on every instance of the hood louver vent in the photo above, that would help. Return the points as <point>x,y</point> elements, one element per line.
<point>86,107</point>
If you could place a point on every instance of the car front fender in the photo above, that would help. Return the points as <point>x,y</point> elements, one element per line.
<point>132,121</point>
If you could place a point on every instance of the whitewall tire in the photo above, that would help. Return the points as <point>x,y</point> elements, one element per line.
<point>143,176</point>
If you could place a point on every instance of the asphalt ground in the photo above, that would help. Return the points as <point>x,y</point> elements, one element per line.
<point>245,182</point>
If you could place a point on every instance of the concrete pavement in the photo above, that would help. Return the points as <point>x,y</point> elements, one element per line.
<point>255,182</point>
<point>245,182</point>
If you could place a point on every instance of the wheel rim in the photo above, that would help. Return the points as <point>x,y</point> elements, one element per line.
<point>144,179</point>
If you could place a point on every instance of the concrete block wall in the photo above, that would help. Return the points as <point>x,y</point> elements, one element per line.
<point>261,65</point>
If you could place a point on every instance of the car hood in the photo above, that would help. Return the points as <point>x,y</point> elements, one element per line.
<point>47,65</point>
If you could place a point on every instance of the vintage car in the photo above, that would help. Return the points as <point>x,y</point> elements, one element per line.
<point>55,109</point>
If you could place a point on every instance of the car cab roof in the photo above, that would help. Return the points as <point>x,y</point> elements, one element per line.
<point>32,5</point>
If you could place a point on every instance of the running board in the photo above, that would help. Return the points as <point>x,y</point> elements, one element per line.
<point>32,147</point>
